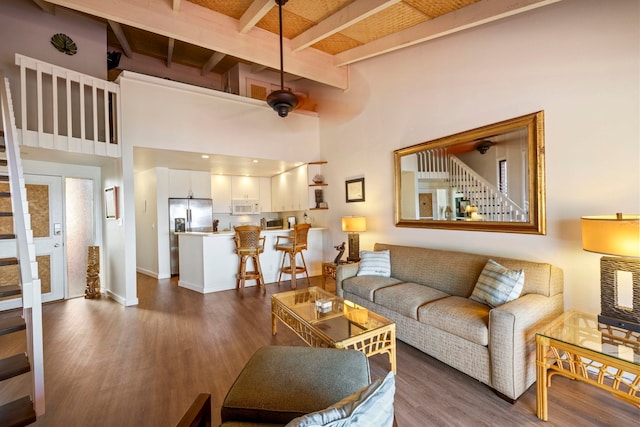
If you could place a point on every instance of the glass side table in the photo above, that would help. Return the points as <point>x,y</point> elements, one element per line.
<point>576,346</point>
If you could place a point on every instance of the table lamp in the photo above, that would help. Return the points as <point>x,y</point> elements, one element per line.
<point>353,225</point>
<point>617,235</point>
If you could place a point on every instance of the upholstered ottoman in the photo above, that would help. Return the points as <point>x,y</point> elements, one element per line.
<point>280,383</point>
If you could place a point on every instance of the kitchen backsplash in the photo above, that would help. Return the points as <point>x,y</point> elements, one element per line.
<point>226,222</point>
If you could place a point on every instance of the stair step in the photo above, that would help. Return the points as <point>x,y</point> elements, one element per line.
<point>13,366</point>
<point>6,213</point>
<point>7,236</point>
<point>12,324</point>
<point>4,178</point>
<point>17,413</point>
<point>10,290</point>
<point>8,261</point>
<point>5,194</point>
<point>3,162</point>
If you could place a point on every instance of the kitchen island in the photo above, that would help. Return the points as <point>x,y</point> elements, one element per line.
<point>208,261</point>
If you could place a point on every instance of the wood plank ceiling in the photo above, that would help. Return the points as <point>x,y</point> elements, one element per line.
<point>321,36</point>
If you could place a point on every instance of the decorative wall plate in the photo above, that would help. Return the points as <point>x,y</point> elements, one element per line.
<point>64,44</point>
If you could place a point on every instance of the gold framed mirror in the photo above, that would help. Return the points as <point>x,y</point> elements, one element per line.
<point>486,179</point>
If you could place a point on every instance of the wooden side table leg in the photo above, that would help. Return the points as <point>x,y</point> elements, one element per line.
<point>392,357</point>
<point>541,379</point>
<point>274,322</point>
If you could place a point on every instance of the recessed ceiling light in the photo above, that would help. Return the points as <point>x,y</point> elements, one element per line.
<point>204,156</point>
<point>255,161</point>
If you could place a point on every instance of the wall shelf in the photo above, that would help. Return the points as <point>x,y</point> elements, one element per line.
<point>313,169</point>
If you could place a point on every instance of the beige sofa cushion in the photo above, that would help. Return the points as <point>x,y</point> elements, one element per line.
<point>459,316</point>
<point>365,286</point>
<point>456,273</point>
<point>406,298</point>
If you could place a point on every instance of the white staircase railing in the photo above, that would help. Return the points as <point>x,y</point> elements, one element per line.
<point>433,164</point>
<point>25,248</point>
<point>491,203</point>
<point>65,110</point>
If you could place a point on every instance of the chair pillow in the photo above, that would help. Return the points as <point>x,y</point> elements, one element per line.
<point>498,285</point>
<point>375,263</point>
<point>370,406</point>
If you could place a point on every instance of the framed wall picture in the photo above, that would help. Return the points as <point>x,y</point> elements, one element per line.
<point>355,190</point>
<point>111,202</point>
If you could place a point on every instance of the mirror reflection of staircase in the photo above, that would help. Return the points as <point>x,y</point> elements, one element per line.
<point>21,347</point>
<point>488,201</point>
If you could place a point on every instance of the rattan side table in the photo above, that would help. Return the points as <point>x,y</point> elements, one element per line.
<point>576,346</point>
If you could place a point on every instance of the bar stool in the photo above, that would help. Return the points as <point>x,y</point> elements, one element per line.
<point>249,244</point>
<point>291,246</point>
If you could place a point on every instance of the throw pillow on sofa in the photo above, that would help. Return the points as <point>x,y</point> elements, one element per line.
<point>370,406</point>
<point>375,263</point>
<point>498,285</point>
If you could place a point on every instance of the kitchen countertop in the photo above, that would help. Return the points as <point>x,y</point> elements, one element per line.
<point>230,233</point>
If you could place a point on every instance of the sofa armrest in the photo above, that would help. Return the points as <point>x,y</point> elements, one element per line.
<point>512,329</point>
<point>344,271</point>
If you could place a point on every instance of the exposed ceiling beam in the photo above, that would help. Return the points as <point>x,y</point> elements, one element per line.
<point>172,43</point>
<point>212,62</point>
<point>344,18</point>
<point>176,5</point>
<point>254,13</point>
<point>214,31</point>
<point>468,17</point>
<point>122,39</point>
<point>45,6</point>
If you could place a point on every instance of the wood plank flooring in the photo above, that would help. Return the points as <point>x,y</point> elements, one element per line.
<point>107,365</point>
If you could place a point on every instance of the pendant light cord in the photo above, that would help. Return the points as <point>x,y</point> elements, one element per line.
<point>281,51</point>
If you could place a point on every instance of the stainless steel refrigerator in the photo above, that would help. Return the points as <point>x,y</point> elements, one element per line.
<point>187,215</point>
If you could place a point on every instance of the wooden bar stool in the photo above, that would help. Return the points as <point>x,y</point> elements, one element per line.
<point>249,244</point>
<point>291,246</point>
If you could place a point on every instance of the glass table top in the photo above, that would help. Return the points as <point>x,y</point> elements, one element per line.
<point>336,318</point>
<point>584,330</point>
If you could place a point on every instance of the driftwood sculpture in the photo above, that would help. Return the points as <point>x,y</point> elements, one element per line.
<point>93,273</point>
<point>340,249</point>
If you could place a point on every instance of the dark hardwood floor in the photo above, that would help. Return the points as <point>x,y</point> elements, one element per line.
<point>107,365</point>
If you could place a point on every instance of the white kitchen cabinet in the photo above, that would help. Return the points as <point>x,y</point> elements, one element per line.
<point>186,183</point>
<point>245,187</point>
<point>265,194</point>
<point>289,190</point>
<point>301,190</point>
<point>221,193</point>
<point>278,185</point>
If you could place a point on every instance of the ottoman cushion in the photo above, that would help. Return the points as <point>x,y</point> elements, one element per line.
<point>280,383</point>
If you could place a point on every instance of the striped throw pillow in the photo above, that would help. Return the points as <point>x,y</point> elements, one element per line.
<point>498,285</point>
<point>375,263</point>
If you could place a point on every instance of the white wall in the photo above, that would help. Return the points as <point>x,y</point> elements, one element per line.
<point>578,60</point>
<point>161,114</point>
<point>146,208</point>
<point>27,29</point>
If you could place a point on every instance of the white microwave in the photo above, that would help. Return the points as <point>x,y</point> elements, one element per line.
<point>245,207</point>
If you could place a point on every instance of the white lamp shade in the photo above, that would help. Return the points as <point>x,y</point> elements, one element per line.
<point>354,224</point>
<point>612,234</point>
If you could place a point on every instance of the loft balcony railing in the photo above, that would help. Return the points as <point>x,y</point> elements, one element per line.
<point>65,110</point>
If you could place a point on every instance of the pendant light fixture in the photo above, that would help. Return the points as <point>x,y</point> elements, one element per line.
<point>282,101</point>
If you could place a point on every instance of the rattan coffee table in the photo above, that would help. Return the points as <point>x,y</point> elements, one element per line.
<point>322,319</point>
